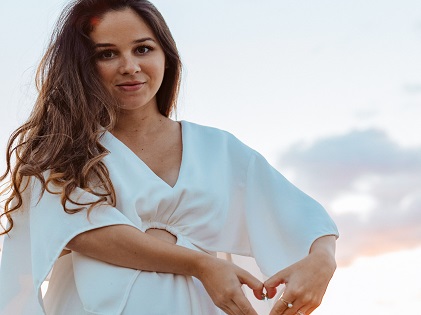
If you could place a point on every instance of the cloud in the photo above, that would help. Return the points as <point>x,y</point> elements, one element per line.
<point>363,163</point>
<point>414,88</point>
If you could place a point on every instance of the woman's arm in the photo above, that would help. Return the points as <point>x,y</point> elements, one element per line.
<point>325,246</point>
<point>126,246</point>
<point>305,281</point>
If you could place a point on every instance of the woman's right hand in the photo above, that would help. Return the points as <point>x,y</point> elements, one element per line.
<point>223,280</point>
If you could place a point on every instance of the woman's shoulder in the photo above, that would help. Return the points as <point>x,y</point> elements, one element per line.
<point>203,129</point>
<point>212,135</point>
<point>211,139</point>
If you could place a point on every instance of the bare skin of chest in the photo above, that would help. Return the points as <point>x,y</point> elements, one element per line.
<point>161,151</point>
<point>162,156</point>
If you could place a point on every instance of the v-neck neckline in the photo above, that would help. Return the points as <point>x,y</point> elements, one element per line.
<point>145,166</point>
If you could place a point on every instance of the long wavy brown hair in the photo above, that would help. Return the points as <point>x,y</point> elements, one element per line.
<point>59,144</point>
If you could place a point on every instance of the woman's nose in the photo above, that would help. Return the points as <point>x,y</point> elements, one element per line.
<point>130,65</point>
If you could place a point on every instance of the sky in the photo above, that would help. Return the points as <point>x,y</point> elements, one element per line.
<point>328,91</point>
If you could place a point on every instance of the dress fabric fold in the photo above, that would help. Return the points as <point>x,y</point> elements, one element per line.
<point>227,198</point>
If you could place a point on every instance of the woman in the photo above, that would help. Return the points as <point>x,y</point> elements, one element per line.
<point>128,207</point>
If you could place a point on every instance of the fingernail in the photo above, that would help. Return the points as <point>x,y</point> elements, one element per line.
<point>265,296</point>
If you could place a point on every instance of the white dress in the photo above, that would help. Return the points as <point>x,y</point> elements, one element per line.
<point>227,199</point>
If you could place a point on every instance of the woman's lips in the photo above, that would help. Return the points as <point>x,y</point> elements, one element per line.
<point>130,86</point>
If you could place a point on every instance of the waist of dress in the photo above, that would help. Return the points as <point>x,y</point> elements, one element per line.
<point>173,235</point>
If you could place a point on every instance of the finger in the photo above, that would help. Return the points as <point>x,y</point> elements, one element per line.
<point>304,303</point>
<point>253,283</point>
<point>260,295</point>
<point>234,310</point>
<point>273,282</point>
<point>277,279</point>
<point>243,305</point>
<point>234,307</point>
<point>278,308</point>
<point>303,311</point>
<point>285,306</point>
<point>307,310</point>
<point>271,292</point>
<point>271,286</point>
<point>229,308</point>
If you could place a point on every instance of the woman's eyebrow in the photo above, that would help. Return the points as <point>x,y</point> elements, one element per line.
<point>143,40</point>
<point>137,41</point>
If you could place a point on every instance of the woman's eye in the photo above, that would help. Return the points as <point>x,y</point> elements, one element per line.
<point>143,49</point>
<point>106,54</point>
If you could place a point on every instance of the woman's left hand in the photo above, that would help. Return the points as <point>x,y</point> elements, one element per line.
<point>305,281</point>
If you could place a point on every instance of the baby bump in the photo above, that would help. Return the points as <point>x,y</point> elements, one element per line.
<point>157,293</point>
<point>160,294</point>
<point>108,289</point>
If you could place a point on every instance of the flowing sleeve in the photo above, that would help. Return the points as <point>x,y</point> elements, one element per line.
<point>41,231</point>
<point>281,221</point>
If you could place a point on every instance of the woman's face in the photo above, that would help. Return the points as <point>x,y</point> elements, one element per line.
<point>129,59</point>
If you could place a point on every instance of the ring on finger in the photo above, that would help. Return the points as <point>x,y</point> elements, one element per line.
<point>300,313</point>
<point>287,304</point>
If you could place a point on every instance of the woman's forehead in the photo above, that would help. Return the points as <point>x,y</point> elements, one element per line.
<point>123,25</point>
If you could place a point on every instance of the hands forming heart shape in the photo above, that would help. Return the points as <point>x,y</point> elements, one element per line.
<point>305,281</point>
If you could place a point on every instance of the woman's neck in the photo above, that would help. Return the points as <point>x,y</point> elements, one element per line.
<point>141,122</point>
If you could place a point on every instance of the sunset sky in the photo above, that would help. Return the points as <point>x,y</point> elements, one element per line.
<point>328,91</point>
